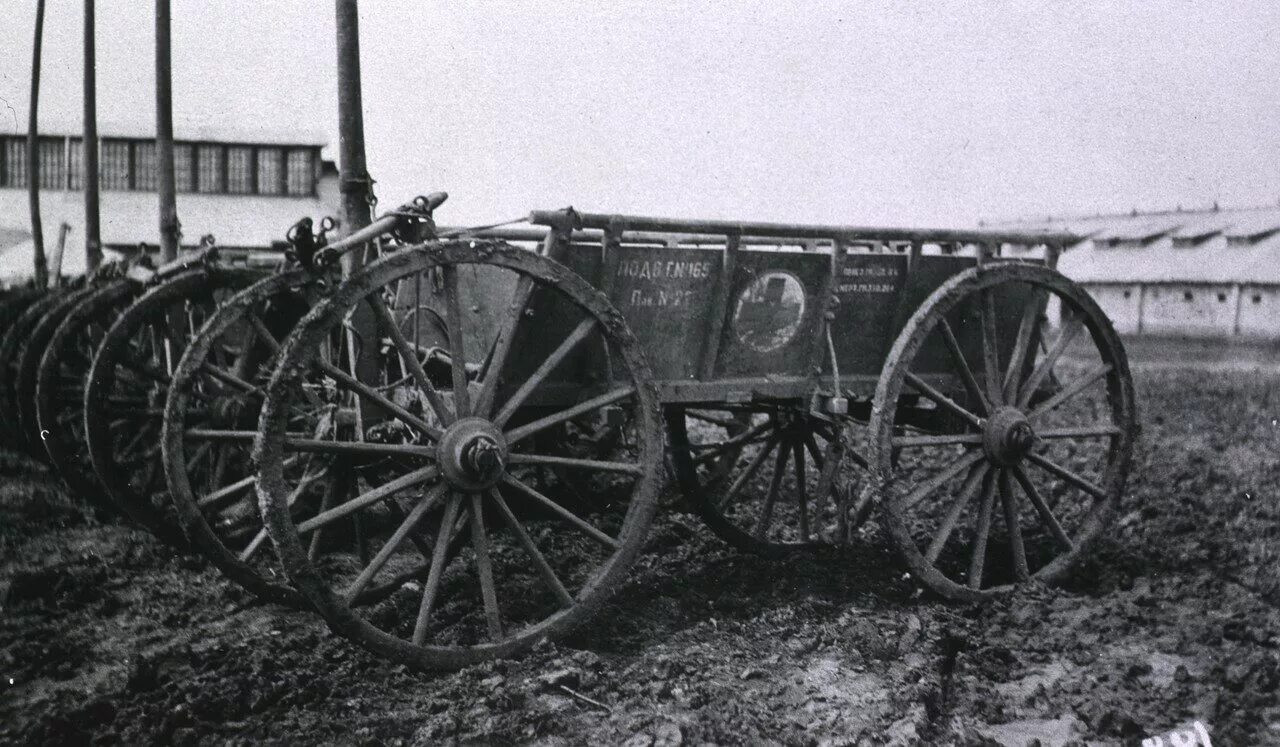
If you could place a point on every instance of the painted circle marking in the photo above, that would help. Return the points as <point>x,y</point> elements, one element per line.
<point>768,312</point>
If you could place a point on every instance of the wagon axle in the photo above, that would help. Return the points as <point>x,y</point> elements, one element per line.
<point>472,454</point>
<point>1007,436</point>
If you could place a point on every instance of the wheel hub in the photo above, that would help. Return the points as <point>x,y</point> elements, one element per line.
<point>1008,436</point>
<point>472,454</point>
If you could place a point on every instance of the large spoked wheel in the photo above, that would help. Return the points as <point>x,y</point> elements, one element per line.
<point>210,420</point>
<point>29,356</point>
<point>11,345</point>
<point>768,479</point>
<point>442,552</point>
<point>1001,437</point>
<point>129,381</point>
<point>60,384</point>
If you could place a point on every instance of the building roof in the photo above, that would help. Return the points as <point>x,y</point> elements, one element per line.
<point>257,134</point>
<point>1203,246</point>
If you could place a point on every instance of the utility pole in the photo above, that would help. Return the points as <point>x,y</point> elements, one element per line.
<point>169,227</point>
<point>92,220</point>
<point>33,156</point>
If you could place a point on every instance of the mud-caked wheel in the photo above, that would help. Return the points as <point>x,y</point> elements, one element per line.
<point>210,420</point>
<point>1013,431</point>
<point>12,344</point>
<point>61,379</point>
<point>768,479</point>
<point>129,380</point>
<point>428,429</point>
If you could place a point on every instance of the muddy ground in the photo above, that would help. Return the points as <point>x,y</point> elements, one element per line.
<point>107,637</point>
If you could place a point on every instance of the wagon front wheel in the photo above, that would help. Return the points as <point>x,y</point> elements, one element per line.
<point>1002,431</point>
<point>445,545</point>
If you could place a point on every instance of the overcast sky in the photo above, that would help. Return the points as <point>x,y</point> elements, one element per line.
<point>860,112</point>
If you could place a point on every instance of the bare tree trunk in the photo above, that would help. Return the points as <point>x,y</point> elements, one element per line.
<point>92,220</point>
<point>353,176</point>
<point>169,228</point>
<point>33,155</point>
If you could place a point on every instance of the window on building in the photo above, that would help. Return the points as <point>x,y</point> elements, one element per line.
<point>209,168</point>
<point>145,172</point>
<point>1128,293</point>
<point>1257,298</point>
<point>15,162</point>
<point>240,169</point>
<point>53,162</point>
<point>113,164</point>
<point>1188,296</point>
<point>184,172</point>
<point>1222,298</point>
<point>270,171</point>
<point>301,173</point>
<point>75,164</point>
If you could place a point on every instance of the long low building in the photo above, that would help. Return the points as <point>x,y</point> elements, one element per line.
<point>1209,273</point>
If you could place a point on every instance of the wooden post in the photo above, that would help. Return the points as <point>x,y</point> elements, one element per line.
<point>92,220</point>
<point>33,156</point>
<point>55,261</point>
<point>169,229</point>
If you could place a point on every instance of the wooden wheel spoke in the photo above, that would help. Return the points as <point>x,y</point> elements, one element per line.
<point>1022,345</point>
<point>220,498</point>
<point>629,468</point>
<point>263,333</point>
<point>568,516</point>
<point>1042,370</point>
<point>745,476</point>
<point>349,382</point>
<point>962,366</point>
<point>1091,431</point>
<point>990,349</point>
<point>315,445</point>
<point>1013,526</point>
<point>1071,390</point>
<point>484,568</point>
<point>393,544</point>
<point>540,563</point>
<point>775,482</point>
<point>1067,475</point>
<point>942,400</point>
<point>954,468</point>
<point>978,559</point>
<point>434,576</point>
<point>231,379</point>
<point>595,403</point>
<point>502,346</point>
<point>967,491</point>
<point>802,499</point>
<point>457,352</point>
<point>1042,508</point>
<point>416,477</point>
<point>570,343</point>
<point>945,439</point>
<point>409,356</point>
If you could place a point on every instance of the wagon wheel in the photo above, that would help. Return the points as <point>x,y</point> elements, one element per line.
<point>29,355</point>
<point>534,565</point>
<point>14,304</point>
<point>768,479</point>
<point>60,384</point>
<point>11,345</point>
<point>129,380</point>
<point>1008,474</point>
<point>206,450</point>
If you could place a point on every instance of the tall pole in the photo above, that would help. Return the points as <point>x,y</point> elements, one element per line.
<point>33,156</point>
<point>353,175</point>
<point>92,221</point>
<point>169,229</point>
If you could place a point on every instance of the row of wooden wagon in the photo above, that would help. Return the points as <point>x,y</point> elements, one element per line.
<point>451,444</point>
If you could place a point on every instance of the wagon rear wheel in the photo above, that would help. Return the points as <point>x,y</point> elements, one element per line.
<point>12,343</point>
<point>60,383</point>
<point>768,479</point>
<point>207,450</point>
<point>129,381</point>
<point>1014,431</point>
<point>29,356</point>
<point>464,353</point>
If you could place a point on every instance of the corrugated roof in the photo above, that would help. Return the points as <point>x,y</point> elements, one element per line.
<point>1213,259</point>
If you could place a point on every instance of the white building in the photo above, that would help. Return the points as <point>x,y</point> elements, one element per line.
<point>244,189</point>
<point>1211,273</point>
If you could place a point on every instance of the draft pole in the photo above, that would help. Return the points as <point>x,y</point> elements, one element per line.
<point>92,220</point>
<point>169,227</point>
<point>33,156</point>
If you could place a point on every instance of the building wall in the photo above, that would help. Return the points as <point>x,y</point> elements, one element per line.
<point>1193,310</point>
<point>1121,303</point>
<point>1260,311</point>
